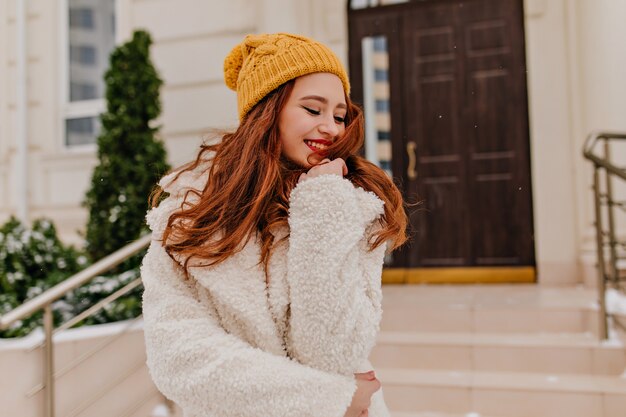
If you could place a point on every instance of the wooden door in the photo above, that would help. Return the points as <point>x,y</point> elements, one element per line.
<point>459,128</point>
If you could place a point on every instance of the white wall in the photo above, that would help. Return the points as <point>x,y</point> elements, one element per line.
<point>191,39</point>
<point>575,54</point>
<point>552,145</point>
<point>52,168</point>
<point>575,84</point>
<point>598,51</point>
<point>5,194</point>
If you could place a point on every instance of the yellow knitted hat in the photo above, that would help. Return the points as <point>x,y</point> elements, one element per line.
<point>261,63</point>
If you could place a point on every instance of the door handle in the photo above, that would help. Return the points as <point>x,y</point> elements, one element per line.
<point>410,150</point>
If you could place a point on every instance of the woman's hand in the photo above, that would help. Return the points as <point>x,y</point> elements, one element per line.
<point>366,386</point>
<point>326,166</point>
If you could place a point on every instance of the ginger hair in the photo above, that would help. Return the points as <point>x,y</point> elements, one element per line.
<point>249,184</point>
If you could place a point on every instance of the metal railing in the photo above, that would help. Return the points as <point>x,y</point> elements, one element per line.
<point>610,249</point>
<point>45,300</point>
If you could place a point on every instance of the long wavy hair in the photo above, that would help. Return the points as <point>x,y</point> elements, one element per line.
<point>249,183</point>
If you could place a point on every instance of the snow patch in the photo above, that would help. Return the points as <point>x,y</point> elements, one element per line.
<point>615,302</point>
<point>160,410</point>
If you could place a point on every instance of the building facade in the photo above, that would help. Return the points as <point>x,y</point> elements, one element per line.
<point>55,52</point>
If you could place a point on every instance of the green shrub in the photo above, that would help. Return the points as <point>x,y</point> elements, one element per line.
<point>131,159</point>
<point>32,261</point>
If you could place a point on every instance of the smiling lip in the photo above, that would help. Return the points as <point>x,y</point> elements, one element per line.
<point>318,145</point>
<point>322,141</point>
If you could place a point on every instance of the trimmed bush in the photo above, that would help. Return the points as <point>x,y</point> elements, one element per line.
<point>32,261</point>
<point>131,159</point>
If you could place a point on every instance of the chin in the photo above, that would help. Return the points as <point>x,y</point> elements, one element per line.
<point>296,163</point>
<point>314,159</point>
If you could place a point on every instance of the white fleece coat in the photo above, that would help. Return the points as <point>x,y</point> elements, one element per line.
<point>225,344</point>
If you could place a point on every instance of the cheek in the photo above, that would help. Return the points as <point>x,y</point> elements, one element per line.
<point>294,133</point>
<point>283,132</point>
<point>287,127</point>
<point>286,137</point>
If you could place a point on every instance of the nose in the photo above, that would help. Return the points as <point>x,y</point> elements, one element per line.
<point>329,127</point>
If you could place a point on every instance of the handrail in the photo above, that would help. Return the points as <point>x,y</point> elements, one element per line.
<point>99,305</point>
<point>590,144</point>
<point>608,271</point>
<point>75,281</point>
<point>44,302</point>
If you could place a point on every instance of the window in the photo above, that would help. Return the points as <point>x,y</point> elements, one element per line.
<point>380,44</point>
<point>84,55</point>
<point>364,4</point>
<point>383,135</point>
<point>376,101</point>
<point>380,74</point>
<point>81,130</point>
<point>382,106</point>
<point>82,91</point>
<point>90,29</point>
<point>81,18</point>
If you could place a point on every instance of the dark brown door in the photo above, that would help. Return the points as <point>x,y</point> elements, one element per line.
<point>459,127</point>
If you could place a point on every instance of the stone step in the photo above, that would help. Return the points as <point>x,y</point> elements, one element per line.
<point>508,352</point>
<point>134,395</point>
<point>152,406</point>
<point>490,309</point>
<point>91,360</point>
<point>505,394</point>
<point>435,414</point>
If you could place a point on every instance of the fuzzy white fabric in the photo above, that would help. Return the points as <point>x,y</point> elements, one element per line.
<point>225,344</point>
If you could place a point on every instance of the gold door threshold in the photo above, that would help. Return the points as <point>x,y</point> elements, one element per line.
<point>468,275</point>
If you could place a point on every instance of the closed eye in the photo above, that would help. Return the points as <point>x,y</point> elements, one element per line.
<point>338,119</point>
<point>310,110</point>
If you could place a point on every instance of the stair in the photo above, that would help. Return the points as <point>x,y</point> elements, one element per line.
<point>101,372</point>
<point>542,353</point>
<point>500,350</point>
<point>433,414</point>
<point>118,402</point>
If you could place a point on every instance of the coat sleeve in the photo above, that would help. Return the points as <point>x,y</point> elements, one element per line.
<point>334,279</point>
<point>197,364</point>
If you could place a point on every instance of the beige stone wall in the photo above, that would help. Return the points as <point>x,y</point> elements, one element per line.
<point>575,85</point>
<point>551,136</point>
<point>598,91</point>
<point>57,177</point>
<point>5,192</point>
<point>191,39</point>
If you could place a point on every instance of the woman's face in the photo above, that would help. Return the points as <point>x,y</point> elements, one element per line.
<point>312,118</point>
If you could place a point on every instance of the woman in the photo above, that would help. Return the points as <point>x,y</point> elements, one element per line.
<point>262,282</point>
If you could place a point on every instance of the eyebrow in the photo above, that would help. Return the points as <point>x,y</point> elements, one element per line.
<point>323,100</point>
